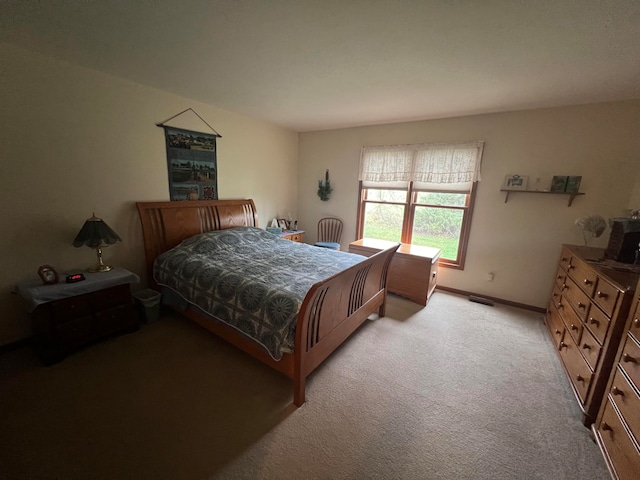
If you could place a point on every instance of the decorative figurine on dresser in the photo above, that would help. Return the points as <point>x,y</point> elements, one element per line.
<point>589,306</point>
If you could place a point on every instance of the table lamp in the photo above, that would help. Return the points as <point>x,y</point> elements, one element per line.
<point>95,233</point>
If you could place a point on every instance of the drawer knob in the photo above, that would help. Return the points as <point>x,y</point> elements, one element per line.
<point>581,305</point>
<point>562,345</point>
<point>617,391</point>
<point>559,277</point>
<point>557,332</point>
<point>586,346</point>
<point>606,427</point>
<point>565,259</point>
<point>569,267</point>
<point>559,305</point>
<point>580,378</point>
<point>601,294</point>
<point>564,286</point>
<point>587,281</point>
<point>628,358</point>
<point>593,321</point>
<point>574,328</point>
<point>636,322</point>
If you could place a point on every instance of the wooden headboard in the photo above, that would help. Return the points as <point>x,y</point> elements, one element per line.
<point>166,224</point>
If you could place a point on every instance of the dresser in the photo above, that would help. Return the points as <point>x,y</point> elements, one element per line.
<point>590,302</point>
<point>65,317</point>
<point>617,428</point>
<point>413,272</point>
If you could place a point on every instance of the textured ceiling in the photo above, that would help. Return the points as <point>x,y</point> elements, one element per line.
<point>321,64</point>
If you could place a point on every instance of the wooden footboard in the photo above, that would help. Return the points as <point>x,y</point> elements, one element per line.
<point>331,311</point>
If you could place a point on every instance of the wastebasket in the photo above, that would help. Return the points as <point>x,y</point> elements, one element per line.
<point>148,303</point>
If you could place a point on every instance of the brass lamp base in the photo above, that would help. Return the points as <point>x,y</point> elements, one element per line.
<point>100,267</point>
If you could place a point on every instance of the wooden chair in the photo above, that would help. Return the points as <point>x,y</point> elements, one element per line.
<point>329,233</point>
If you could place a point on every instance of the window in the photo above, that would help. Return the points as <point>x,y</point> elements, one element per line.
<point>420,194</point>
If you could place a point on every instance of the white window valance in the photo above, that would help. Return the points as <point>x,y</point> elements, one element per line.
<point>445,167</point>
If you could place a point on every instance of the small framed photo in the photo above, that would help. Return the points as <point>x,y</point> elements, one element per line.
<point>515,182</point>
<point>282,223</point>
<point>48,275</point>
<point>558,184</point>
<point>573,184</point>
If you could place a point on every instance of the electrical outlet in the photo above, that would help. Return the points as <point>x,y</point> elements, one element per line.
<point>489,277</point>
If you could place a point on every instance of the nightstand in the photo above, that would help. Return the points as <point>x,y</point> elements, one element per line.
<point>67,316</point>
<point>293,235</point>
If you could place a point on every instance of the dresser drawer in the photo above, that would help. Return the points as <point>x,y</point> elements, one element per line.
<point>577,298</point>
<point>111,297</point>
<point>630,361</point>
<point>634,329</point>
<point>561,278</point>
<point>597,323</point>
<point>76,332</point>
<point>627,401</point>
<point>606,296</point>
<point>555,325</point>
<point>622,455</point>
<point>590,349</point>
<point>579,372</point>
<point>70,308</point>
<point>583,275</point>
<point>565,259</point>
<point>571,321</point>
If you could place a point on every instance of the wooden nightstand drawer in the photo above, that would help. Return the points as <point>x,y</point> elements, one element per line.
<point>70,308</point>
<point>620,451</point>
<point>110,297</point>
<point>76,332</point>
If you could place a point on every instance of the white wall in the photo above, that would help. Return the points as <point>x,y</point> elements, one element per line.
<point>75,141</point>
<point>518,241</point>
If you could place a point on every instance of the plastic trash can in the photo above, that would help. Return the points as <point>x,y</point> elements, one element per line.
<point>148,302</point>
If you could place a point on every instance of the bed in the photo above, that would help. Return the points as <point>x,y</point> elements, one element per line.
<point>332,308</point>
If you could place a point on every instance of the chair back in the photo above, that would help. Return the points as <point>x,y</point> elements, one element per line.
<point>330,230</point>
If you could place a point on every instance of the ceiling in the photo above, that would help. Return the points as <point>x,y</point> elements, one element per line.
<point>322,64</point>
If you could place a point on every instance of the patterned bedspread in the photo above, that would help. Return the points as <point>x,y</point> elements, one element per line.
<point>250,279</point>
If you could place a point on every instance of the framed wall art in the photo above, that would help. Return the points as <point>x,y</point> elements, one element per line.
<point>573,184</point>
<point>192,164</point>
<point>515,182</point>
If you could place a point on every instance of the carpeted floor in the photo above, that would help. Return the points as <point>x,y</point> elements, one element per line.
<point>456,390</point>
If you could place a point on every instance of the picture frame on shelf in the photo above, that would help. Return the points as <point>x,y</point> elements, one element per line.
<point>573,184</point>
<point>515,182</point>
<point>558,183</point>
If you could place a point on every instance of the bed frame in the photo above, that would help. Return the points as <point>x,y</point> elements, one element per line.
<point>331,311</point>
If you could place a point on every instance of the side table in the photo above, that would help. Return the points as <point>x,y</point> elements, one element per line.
<point>67,316</point>
<point>293,235</point>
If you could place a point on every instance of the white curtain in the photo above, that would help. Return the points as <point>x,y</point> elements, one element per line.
<point>444,167</point>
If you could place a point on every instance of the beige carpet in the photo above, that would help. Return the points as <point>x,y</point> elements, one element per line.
<point>456,390</point>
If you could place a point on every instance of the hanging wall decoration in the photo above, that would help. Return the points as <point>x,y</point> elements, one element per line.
<point>191,162</point>
<point>324,189</point>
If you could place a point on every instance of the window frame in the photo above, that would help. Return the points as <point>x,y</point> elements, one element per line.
<point>410,205</point>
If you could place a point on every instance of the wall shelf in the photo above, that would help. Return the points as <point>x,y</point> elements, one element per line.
<point>570,195</point>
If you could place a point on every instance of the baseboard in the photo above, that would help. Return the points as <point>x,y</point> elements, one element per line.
<point>495,299</point>
<point>14,345</point>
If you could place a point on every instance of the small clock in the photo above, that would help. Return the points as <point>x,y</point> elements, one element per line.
<point>48,275</point>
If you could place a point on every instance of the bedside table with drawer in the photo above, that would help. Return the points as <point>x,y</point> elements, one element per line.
<point>293,235</point>
<point>67,316</point>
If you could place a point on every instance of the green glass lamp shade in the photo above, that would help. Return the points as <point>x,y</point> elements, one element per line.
<point>95,233</point>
